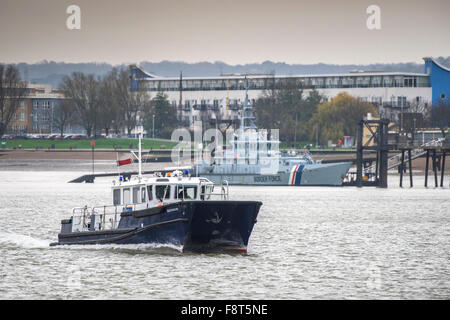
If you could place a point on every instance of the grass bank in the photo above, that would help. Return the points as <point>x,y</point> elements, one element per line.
<point>100,143</point>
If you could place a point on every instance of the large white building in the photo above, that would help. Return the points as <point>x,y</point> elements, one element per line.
<point>221,96</point>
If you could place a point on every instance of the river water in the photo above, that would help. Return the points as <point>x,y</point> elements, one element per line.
<point>308,243</point>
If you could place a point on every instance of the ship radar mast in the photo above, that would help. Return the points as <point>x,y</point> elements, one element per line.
<point>248,117</point>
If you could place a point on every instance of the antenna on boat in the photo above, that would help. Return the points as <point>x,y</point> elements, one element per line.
<point>247,117</point>
<point>245,104</point>
<point>140,152</point>
<point>139,130</point>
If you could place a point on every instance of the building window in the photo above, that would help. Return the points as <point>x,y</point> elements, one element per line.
<point>401,101</point>
<point>377,100</point>
<point>45,116</point>
<point>393,101</point>
<point>22,116</point>
<point>408,82</point>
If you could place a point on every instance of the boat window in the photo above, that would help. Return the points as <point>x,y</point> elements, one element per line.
<point>143,194</point>
<point>209,190</point>
<point>202,193</point>
<point>116,196</point>
<point>162,192</point>
<point>126,195</point>
<point>205,193</point>
<point>136,195</point>
<point>150,192</point>
<point>186,192</point>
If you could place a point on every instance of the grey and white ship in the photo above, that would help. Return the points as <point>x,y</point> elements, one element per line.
<point>253,159</point>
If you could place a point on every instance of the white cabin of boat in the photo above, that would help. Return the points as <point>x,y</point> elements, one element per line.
<point>143,192</point>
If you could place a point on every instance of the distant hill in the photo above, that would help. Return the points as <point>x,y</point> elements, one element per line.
<point>51,72</point>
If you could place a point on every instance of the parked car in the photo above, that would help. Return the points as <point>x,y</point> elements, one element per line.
<point>35,136</point>
<point>114,136</point>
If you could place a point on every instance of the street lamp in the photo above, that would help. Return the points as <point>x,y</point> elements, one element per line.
<point>153,127</point>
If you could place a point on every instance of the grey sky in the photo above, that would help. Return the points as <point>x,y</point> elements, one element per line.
<point>233,31</point>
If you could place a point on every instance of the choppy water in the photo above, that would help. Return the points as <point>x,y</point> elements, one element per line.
<point>309,243</point>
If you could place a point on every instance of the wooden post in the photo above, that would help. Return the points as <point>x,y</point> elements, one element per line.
<point>401,168</point>
<point>426,168</point>
<point>383,149</point>
<point>443,167</point>
<point>435,168</point>
<point>410,168</point>
<point>359,155</point>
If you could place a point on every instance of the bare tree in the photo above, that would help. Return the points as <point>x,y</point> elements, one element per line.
<point>108,111</point>
<point>130,103</point>
<point>83,90</point>
<point>64,114</point>
<point>12,92</point>
<point>416,117</point>
<point>440,116</point>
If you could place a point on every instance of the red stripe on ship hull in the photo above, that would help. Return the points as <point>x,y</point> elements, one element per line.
<point>295,173</point>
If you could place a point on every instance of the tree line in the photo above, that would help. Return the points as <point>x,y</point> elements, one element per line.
<point>97,104</point>
<point>309,117</point>
<point>107,104</point>
<point>312,117</point>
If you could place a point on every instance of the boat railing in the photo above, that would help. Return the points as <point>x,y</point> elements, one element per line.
<point>106,217</point>
<point>207,191</point>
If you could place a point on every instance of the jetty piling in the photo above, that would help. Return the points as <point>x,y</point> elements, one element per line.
<point>377,140</point>
<point>438,156</point>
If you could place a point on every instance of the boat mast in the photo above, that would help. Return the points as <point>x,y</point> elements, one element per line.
<point>140,155</point>
<point>247,118</point>
<point>244,106</point>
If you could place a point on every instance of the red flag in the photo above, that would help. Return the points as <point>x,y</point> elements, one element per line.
<point>124,162</point>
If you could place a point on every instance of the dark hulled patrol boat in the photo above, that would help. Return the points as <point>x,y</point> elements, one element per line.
<point>178,210</point>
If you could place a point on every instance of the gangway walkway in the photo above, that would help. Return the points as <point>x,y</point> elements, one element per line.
<point>396,160</point>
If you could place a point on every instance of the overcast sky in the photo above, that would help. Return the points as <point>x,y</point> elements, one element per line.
<point>232,31</point>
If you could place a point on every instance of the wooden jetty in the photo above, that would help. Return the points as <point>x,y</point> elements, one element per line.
<point>438,155</point>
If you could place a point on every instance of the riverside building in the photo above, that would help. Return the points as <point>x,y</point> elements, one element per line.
<point>221,97</point>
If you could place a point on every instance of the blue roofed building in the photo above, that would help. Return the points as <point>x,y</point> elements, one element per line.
<point>439,80</point>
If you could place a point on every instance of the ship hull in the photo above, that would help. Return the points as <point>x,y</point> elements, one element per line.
<point>331,174</point>
<point>190,225</point>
